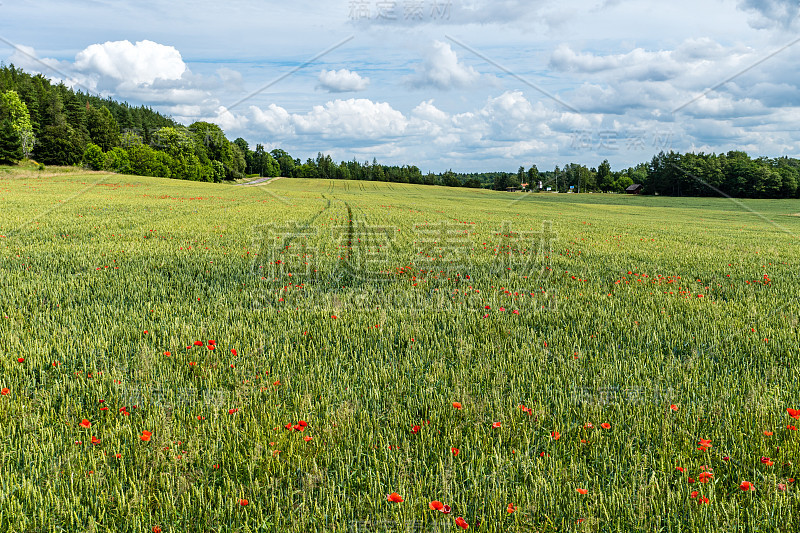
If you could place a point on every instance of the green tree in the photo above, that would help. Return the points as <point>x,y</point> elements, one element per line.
<point>13,108</point>
<point>10,143</point>
<point>103,128</point>
<point>117,160</point>
<point>93,157</point>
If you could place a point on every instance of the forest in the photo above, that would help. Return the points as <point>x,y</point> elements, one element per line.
<point>52,124</point>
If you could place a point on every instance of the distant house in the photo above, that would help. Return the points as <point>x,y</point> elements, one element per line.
<point>636,188</point>
<point>512,189</point>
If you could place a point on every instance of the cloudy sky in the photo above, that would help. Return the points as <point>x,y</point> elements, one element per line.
<point>461,84</point>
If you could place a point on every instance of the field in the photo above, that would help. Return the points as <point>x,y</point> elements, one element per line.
<point>284,357</point>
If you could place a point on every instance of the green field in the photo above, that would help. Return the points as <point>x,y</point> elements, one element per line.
<point>366,310</point>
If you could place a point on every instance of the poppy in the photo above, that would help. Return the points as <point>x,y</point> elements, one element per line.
<point>454,451</point>
<point>156,529</point>
<point>436,505</point>
<point>211,347</point>
<point>605,425</point>
<point>705,477</point>
<point>746,485</point>
<point>446,509</point>
<point>556,435</point>
<point>679,468</point>
<point>702,499</point>
<point>276,383</point>
<point>583,491</point>
<point>790,428</point>
<point>5,391</point>
<point>457,405</point>
<point>673,407</point>
<point>85,423</point>
<point>415,429</point>
<point>460,522</point>
<point>781,486</point>
<point>167,354</point>
<point>212,342</point>
<point>768,433</point>
<point>307,439</point>
<point>95,440</point>
<point>20,360</point>
<point>243,502</point>
<point>394,497</point>
<point>510,509</point>
<point>198,343</point>
<point>145,436</point>
<point>234,352</point>
<point>231,411</point>
<point>794,413</point>
<point>690,480</point>
<point>496,425</point>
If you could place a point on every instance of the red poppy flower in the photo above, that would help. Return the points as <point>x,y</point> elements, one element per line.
<point>307,439</point>
<point>145,436</point>
<point>768,433</point>
<point>156,529</point>
<point>673,407</point>
<point>20,360</point>
<point>415,429</point>
<point>446,509</point>
<point>276,383</point>
<point>556,435</point>
<point>234,352</point>
<point>690,480</point>
<point>605,425</point>
<point>436,505</point>
<point>95,440</point>
<point>85,423</point>
<point>457,405</point>
<point>705,477</point>
<point>510,509</point>
<point>790,428</point>
<point>694,494</point>
<point>794,413</point>
<point>702,499</point>
<point>198,343</point>
<point>231,411</point>
<point>583,491</point>
<point>212,342</point>
<point>243,502</point>
<point>746,485</point>
<point>454,451</point>
<point>460,522</point>
<point>496,425</point>
<point>5,391</point>
<point>394,497</point>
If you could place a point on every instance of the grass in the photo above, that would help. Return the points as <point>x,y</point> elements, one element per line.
<point>102,275</point>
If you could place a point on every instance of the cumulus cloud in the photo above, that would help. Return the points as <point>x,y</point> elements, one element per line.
<point>140,63</point>
<point>342,81</point>
<point>637,64</point>
<point>442,70</point>
<point>769,13</point>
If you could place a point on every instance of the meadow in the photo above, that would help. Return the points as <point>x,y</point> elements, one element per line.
<point>321,355</point>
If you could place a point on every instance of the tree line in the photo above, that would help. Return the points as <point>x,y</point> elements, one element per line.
<point>56,125</point>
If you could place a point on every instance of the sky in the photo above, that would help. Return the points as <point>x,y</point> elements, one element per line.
<point>468,85</point>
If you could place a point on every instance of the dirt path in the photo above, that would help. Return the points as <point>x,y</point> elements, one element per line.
<point>258,181</point>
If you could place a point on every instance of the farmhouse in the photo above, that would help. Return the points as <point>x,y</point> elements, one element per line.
<point>636,188</point>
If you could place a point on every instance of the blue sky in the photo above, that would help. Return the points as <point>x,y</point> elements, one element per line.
<point>468,85</point>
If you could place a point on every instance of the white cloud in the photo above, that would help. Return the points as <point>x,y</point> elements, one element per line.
<point>352,118</point>
<point>441,69</point>
<point>341,81</point>
<point>140,63</point>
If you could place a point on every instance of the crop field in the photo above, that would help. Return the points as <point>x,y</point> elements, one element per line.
<point>317,355</point>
